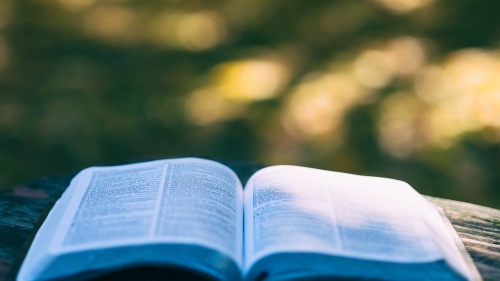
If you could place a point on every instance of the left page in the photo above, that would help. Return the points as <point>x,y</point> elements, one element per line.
<point>181,212</point>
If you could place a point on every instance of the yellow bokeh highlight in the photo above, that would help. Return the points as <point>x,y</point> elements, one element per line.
<point>76,5</point>
<point>318,106</point>
<point>207,106</point>
<point>459,96</point>
<point>372,69</point>
<point>407,55</point>
<point>195,31</point>
<point>111,22</point>
<point>400,57</point>
<point>252,79</point>
<point>234,85</point>
<point>399,123</point>
<point>403,6</point>
<point>466,97</point>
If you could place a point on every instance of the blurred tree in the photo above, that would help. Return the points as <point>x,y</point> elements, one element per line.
<point>398,88</point>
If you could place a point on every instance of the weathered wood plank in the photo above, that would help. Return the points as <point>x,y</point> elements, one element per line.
<point>21,207</point>
<point>479,229</point>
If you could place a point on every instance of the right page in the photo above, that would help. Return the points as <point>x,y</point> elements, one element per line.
<point>375,223</point>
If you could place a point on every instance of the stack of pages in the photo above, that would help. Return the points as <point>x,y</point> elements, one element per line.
<point>288,223</point>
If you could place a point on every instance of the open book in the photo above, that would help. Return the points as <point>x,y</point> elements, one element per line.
<point>289,223</point>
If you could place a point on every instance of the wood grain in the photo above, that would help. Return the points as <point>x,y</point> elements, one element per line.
<point>479,229</point>
<point>20,210</point>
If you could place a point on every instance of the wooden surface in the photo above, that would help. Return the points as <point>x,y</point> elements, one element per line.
<point>20,209</point>
<point>479,229</point>
<point>22,206</point>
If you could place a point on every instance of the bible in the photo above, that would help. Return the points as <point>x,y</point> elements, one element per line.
<point>193,215</point>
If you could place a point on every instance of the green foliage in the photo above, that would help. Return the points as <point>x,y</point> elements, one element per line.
<point>90,82</point>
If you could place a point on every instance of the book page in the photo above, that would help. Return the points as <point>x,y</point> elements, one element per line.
<point>294,209</point>
<point>450,242</point>
<point>180,201</point>
<point>204,204</point>
<point>117,205</point>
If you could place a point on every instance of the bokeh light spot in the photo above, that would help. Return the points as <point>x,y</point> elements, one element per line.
<point>461,95</point>
<point>398,125</point>
<point>189,31</point>
<point>407,55</point>
<point>403,6</point>
<point>252,79</point>
<point>76,5</point>
<point>372,69</point>
<point>235,84</point>
<point>318,105</point>
<point>111,23</point>
<point>207,106</point>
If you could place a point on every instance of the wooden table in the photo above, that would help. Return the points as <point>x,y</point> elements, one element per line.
<point>23,206</point>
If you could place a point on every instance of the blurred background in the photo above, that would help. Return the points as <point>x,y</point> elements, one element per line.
<point>408,89</point>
